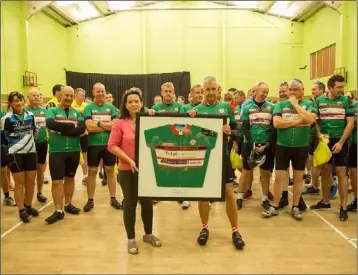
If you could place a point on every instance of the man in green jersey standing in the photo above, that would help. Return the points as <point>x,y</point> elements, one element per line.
<point>196,94</point>
<point>66,125</point>
<point>40,140</point>
<point>56,92</point>
<point>352,162</point>
<point>336,121</point>
<point>168,105</point>
<point>210,105</point>
<point>99,116</point>
<point>256,118</point>
<point>292,118</point>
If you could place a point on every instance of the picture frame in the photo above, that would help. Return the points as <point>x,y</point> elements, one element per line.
<point>180,158</point>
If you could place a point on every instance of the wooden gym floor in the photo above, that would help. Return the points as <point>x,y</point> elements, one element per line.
<point>95,242</point>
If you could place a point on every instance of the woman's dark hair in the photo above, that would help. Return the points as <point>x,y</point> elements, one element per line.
<point>11,96</point>
<point>131,91</point>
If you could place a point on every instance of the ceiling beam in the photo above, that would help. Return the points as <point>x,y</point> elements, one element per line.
<point>63,14</point>
<point>95,5</point>
<point>317,7</point>
<point>36,6</point>
<point>55,18</point>
<point>269,6</point>
<point>304,10</point>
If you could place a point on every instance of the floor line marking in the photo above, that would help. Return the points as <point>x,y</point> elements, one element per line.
<point>20,223</point>
<point>340,233</point>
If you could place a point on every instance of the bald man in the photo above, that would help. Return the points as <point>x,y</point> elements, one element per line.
<point>99,116</point>
<point>66,126</point>
<point>39,112</point>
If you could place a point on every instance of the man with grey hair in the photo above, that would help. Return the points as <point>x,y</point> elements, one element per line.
<point>293,119</point>
<point>40,140</point>
<point>210,106</point>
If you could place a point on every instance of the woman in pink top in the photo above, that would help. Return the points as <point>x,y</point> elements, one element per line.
<point>122,144</point>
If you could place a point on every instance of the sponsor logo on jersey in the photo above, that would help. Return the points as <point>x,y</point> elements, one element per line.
<point>192,142</point>
<point>221,111</point>
<point>167,144</point>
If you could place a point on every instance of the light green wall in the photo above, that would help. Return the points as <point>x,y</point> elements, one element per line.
<point>37,45</point>
<point>238,47</point>
<point>350,50</point>
<point>47,48</point>
<point>12,46</point>
<point>327,27</point>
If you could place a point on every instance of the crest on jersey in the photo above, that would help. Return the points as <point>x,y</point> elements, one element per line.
<point>107,110</point>
<point>304,107</point>
<point>192,142</point>
<point>339,103</point>
<point>221,111</point>
<point>75,115</point>
<point>94,111</point>
<point>41,113</point>
<point>176,109</point>
<point>268,108</point>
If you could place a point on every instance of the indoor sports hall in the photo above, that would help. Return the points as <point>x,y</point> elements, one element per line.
<point>54,51</point>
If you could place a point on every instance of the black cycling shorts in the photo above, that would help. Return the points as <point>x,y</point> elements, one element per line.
<point>269,161</point>
<point>63,164</point>
<point>18,163</point>
<point>340,159</point>
<point>41,149</point>
<point>96,153</point>
<point>84,143</point>
<point>297,155</point>
<point>352,156</point>
<point>4,150</point>
<point>312,145</point>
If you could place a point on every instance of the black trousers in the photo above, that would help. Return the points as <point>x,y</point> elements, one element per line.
<point>129,183</point>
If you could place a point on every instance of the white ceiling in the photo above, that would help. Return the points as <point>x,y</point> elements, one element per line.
<point>70,13</point>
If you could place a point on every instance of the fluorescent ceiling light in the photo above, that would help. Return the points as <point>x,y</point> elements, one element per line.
<point>83,11</point>
<point>120,5</point>
<point>245,4</point>
<point>284,8</point>
<point>66,3</point>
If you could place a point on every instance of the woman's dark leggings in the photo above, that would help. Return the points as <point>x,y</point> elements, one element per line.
<point>129,184</point>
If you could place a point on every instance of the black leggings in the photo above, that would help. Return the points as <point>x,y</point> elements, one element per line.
<point>129,184</point>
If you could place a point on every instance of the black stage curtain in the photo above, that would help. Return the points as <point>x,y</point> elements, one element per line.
<point>117,84</point>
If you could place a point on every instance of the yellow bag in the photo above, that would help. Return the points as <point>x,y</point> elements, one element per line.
<point>235,159</point>
<point>81,159</point>
<point>322,154</point>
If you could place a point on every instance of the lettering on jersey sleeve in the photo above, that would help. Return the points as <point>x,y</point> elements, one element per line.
<point>101,116</point>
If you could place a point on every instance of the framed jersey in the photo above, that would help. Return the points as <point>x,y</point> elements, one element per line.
<point>180,158</point>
